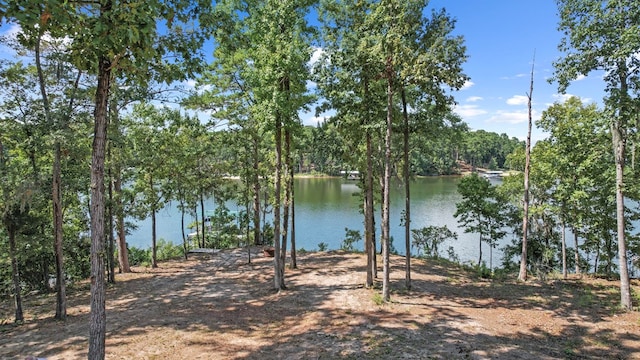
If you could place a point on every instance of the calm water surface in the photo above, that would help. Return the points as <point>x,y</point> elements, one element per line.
<point>326,206</point>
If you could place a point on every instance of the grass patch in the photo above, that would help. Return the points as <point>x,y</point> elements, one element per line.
<point>378,299</point>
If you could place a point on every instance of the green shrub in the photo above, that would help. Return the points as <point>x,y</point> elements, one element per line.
<point>351,237</point>
<point>139,257</point>
<point>166,250</point>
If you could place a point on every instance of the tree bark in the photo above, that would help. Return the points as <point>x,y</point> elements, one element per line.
<point>407,193</point>
<point>110,245</point>
<point>97,316</point>
<point>15,270</point>
<point>370,246</point>
<point>287,196</point>
<point>619,151</point>
<point>202,225</point>
<point>257,234</point>
<point>387,181</point>
<point>564,251</point>
<point>56,195</point>
<point>123,252</point>
<point>522,275</point>
<point>294,261</point>
<point>576,251</point>
<point>277,266</point>
<point>185,247</point>
<point>154,248</point>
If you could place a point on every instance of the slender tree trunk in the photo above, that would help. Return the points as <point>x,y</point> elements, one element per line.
<point>619,151</point>
<point>110,245</point>
<point>368,215</point>
<point>576,251</point>
<point>277,266</point>
<point>185,246</point>
<point>97,316</point>
<point>202,215</point>
<point>387,181</point>
<point>522,275</point>
<point>123,252</point>
<point>597,261</point>
<point>61,298</point>
<point>294,261</point>
<point>480,248</point>
<point>154,261</point>
<point>564,251</point>
<point>369,223</point>
<point>257,234</point>
<point>407,194</point>
<point>56,194</point>
<point>15,271</point>
<point>287,196</point>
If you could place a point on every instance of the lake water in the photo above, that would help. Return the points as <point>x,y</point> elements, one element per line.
<point>326,206</point>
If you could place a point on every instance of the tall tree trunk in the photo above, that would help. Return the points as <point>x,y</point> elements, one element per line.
<point>15,271</point>
<point>576,251</point>
<point>369,222</point>
<point>97,316</point>
<point>202,225</point>
<point>56,194</point>
<point>287,195</point>
<point>185,246</point>
<point>277,265</point>
<point>61,298</point>
<point>522,275</point>
<point>480,248</point>
<point>294,261</point>
<point>110,244</point>
<point>257,234</point>
<point>370,245</point>
<point>619,152</point>
<point>564,251</point>
<point>123,252</point>
<point>154,261</point>
<point>407,193</point>
<point>387,186</point>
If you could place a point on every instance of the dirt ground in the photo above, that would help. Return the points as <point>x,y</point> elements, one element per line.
<point>221,307</point>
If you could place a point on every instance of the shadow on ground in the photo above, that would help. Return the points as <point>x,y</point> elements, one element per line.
<point>221,307</point>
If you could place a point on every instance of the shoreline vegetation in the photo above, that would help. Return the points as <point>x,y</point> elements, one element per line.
<point>222,306</point>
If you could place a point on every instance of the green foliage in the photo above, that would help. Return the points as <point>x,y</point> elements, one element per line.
<point>139,257</point>
<point>378,299</point>
<point>166,250</point>
<point>427,239</point>
<point>481,210</point>
<point>323,246</point>
<point>351,238</point>
<point>490,150</point>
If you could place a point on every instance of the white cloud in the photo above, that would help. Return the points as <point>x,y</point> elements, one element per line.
<point>516,76</point>
<point>315,56</point>
<point>309,118</point>
<point>562,98</point>
<point>10,30</point>
<point>467,84</point>
<point>474,98</point>
<point>467,111</point>
<point>192,84</point>
<point>581,77</point>
<point>512,117</point>
<point>518,100</point>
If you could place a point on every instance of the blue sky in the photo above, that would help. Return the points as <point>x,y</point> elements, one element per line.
<point>501,37</point>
